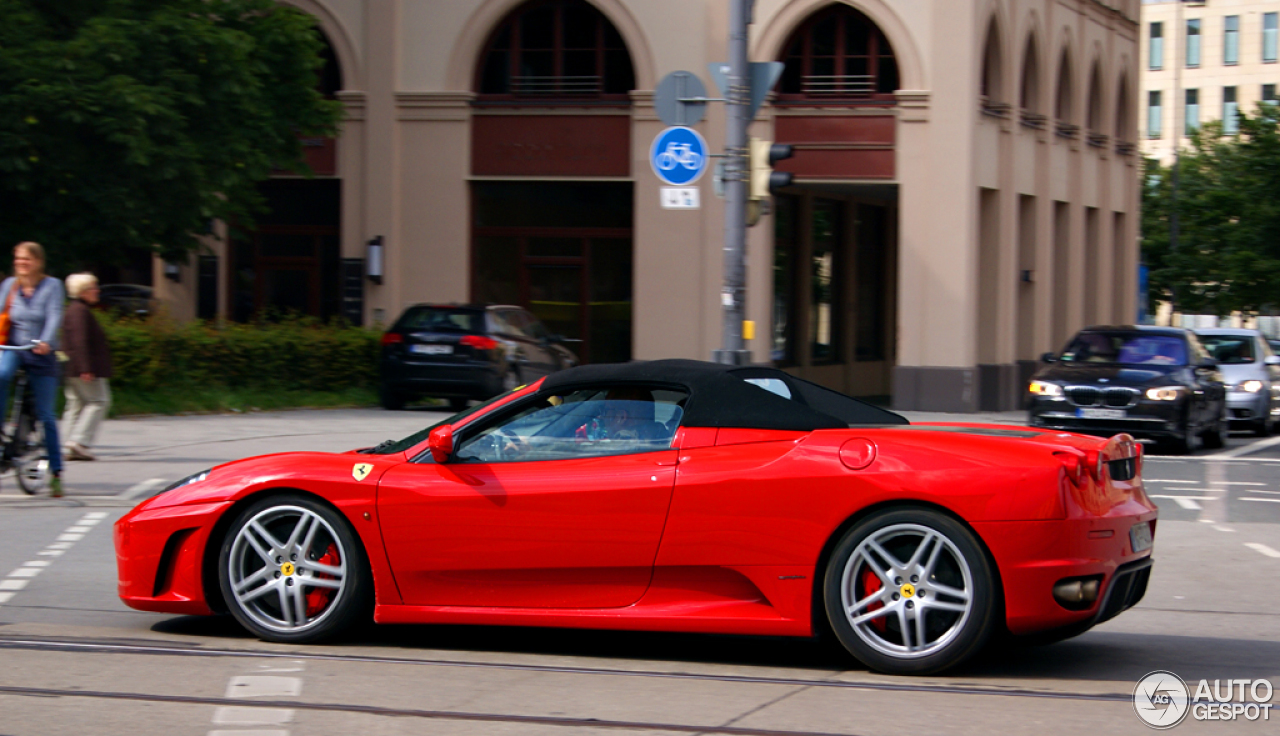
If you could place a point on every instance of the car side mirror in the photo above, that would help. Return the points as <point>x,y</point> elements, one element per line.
<point>1273,360</point>
<point>440,441</point>
<point>1049,358</point>
<point>1208,364</point>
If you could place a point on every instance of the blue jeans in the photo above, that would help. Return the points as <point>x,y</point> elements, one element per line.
<point>45,389</point>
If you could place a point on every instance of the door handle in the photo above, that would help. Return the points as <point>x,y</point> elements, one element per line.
<point>667,463</point>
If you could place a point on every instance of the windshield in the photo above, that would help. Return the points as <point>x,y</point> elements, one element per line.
<point>1229,349</point>
<point>393,446</point>
<point>1126,348</point>
<point>436,319</point>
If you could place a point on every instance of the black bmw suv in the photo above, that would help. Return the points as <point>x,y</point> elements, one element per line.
<point>461,352</point>
<point>1155,383</point>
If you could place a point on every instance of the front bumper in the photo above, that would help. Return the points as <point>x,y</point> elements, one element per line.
<point>1145,420</point>
<point>1243,407</point>
<point>160,557</point>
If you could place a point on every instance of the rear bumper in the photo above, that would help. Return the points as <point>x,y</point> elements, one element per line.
<point>472,380</point>
<point>1033,556</point>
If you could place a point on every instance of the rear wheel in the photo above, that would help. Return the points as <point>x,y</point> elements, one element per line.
<point>456,405</point>
<point>910,592</point>
<point>290,570</point>
<point>390,398</point>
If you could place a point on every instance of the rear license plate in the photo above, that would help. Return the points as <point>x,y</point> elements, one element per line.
<point>1085,413</point>
<point>1140,537</point>
<point>431,349</point>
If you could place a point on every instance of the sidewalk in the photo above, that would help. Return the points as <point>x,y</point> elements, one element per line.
<point>137,456</point>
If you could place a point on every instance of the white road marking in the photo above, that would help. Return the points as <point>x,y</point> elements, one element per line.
<point>139,489</point>
<point>18,579</point>
<point>1222,528</point>
<point>1264,500</point>
<point>1264,549</point>
<point>1157,480</point>
<point>1190,504</point>
<point>1259,490</point>
<point>260,686</point>
<point>237,716</point>
<point>1250,448</point>
<point>1235,483</point>
<point>255,732</point>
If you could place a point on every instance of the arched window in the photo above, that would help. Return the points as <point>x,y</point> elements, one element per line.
<point>555,50</point>
<point>329,76</point>
<point>838,55</point>
<point>992,66</point>
<point>1029,94</point>
<point>1093,118</point>
<point>1124,115</point>
<point>1062,104</point>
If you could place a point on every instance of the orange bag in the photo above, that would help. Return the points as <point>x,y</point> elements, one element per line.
<point>4,316</point>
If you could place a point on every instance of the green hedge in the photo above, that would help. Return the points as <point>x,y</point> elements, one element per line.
<point>295,354</point>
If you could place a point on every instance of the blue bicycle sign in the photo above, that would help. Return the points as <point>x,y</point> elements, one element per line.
<point>678,156</point>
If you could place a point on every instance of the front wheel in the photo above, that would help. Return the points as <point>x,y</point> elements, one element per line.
<point>1215,437</point>
<point>290,570</point>
<point>31,459</point>
<point>910,592</point>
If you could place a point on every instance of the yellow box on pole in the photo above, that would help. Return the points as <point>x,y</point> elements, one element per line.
<point>748,330</point>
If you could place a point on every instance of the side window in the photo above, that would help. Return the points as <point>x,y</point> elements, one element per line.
<point>536,330</point>
<point>498,324</point>
<point>590,422</point>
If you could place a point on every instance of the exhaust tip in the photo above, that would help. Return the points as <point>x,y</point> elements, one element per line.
<point>1077,594</point>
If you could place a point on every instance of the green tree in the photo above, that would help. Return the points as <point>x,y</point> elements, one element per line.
<point>135,123</point>
<point>1227,255</point>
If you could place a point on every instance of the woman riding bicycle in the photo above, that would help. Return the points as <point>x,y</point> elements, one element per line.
<point>35,303</point>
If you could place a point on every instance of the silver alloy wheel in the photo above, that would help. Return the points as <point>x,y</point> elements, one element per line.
<point>32,473</point>
<point>275,562</point>
<point>907,591</point>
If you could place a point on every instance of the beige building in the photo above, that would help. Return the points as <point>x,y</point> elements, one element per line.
<point>1204,61</point>
<point>965,190</point>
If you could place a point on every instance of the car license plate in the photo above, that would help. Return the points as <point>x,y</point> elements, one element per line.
<point>1140,537</point>
<point>431,349</point>
<point>1088,413</point>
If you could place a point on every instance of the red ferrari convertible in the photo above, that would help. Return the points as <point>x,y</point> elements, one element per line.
<point>667,496</point>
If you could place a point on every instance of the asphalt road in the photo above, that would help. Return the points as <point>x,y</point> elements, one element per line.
<point>74,660</point>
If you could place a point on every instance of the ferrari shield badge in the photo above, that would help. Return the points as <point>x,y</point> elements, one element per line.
<point>361,470</point>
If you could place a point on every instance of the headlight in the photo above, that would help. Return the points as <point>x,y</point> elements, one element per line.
<point>1043,388</point>
<point>1250,387</point>
<point>193,478</point>
<point>1165,393</point>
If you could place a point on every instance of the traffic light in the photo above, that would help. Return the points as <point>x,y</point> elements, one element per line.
<point>764,180</point>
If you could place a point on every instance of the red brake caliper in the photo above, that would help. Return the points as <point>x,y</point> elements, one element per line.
<point>870,584</point>
<point>318,598</point>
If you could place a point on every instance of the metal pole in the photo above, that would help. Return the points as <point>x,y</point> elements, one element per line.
<point>1179,108</point>
<point>737,108</point>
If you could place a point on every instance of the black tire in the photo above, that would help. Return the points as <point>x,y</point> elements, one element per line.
<point>390,398</point>
<point>456,405</point>
<point>30,458</point>
<point>950,636</point>
<point>1263,427</point>
<point>1215,436</point>
<point>1185,442</point>
<point>284,610</point>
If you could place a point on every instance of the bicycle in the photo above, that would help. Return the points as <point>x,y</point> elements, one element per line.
<point>22,447</point>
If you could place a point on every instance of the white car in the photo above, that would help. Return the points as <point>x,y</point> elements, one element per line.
<point>1252,374</point>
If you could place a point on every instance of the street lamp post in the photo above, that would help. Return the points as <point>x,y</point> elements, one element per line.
<point>738,114</point>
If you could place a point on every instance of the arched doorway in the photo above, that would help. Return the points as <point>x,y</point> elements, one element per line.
<point>551,208</point>
<point>835,229</point>
<point>290,262</point>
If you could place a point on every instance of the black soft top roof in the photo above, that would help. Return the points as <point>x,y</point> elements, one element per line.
<point>719,395</point>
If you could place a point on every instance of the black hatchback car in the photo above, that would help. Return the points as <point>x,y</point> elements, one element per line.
<point>463,352</point>
<point>1153,382</point>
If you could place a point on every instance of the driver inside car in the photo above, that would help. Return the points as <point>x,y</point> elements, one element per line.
<point>624,421</point>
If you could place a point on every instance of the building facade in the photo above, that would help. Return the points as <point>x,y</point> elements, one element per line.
<point>1204,61</point>
<point>964,197</point>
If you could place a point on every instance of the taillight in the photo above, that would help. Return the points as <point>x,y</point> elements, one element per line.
<point>392,338</point>
<point>1073,464</point>
<point>479,342</point>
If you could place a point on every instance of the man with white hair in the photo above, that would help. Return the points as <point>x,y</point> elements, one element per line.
<point>88,367</point>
